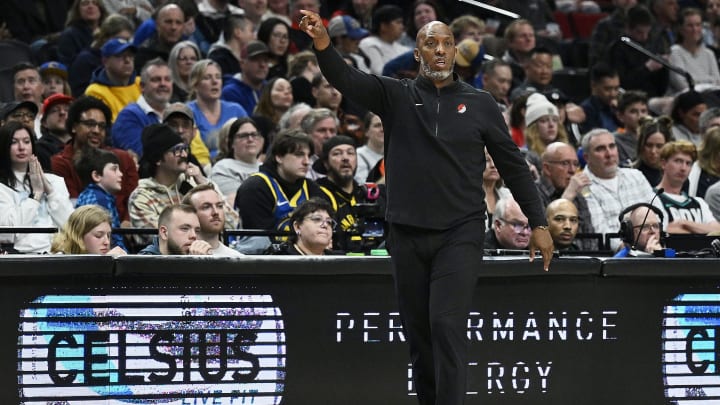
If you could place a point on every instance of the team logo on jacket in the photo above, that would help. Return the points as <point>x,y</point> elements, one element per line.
<point>461,108</point>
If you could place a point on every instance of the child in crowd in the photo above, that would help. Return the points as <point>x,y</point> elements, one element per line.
<point>100,171</point>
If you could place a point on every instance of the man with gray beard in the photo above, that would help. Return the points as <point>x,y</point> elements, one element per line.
<point>437,128</point>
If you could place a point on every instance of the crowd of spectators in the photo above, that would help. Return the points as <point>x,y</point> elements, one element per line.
<point>190,118</point>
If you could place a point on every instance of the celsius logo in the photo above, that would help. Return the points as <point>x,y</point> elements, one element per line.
<point>150,349</point>
<point>691,349</point>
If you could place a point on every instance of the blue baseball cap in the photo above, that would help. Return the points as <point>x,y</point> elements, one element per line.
<point>54,68</point>
<point>116,46</point>
<point>345,25</point>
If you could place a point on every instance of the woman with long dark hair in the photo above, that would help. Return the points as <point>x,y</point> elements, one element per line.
<point>28,196</point>
<point>275,33</point>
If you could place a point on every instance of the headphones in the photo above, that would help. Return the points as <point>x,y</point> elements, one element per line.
<point>626,225</point>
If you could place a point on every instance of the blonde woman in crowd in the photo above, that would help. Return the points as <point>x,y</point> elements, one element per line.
<point>87,231</point>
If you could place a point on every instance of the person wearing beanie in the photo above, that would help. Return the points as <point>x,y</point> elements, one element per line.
<point>87,123</point>
<point>542,124</point>
<point>166,176</point>
<point>686,110</point>
<point>384,43</point>
<point>338,162</point>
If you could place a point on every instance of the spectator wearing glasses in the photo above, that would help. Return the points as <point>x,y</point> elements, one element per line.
<point>560,178</point>
<point>312,230</point>
<point>510,228</point>
<point>243,145</point>
<point>20,111</point>
<point>166,176</point>
<point>87,122</point>
<point>646,230</point>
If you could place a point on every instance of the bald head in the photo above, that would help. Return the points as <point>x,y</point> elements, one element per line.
<point>431,28</point>
<point>435,50</point>
<point>563,222</point>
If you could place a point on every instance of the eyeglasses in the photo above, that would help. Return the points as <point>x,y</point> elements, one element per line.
<point>245,135</point>
<point>329,222</point>
<point>648,227</point>
<point>278,35</point>
<point>94,124</point>
<point>565,163</point>
<point>178,149</point>
<point>517,227</point>
<point>19,115</point>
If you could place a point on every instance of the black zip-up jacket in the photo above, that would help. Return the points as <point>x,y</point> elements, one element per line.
<point>434,146</point>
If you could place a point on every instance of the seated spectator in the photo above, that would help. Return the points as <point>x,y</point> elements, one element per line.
<point>346,33</point>
<point>682,213</point>
<point>312,230</point>
<point>29,197</point>
<point>494,188</point>
<point>611,187</point>
<point>710,117</point>
<point>560,179</point>
<point>303,66</point>
<point>116,83</point>
<point>80,70</point>
<point>169,24</point>
<point>179,117</point>
<point>246,88</point>
<point>635,69</point>
<point>210,208</point>
<point>384,42</point>
<point>520,38</point>
<point>266,199</point>
<point>181,61</point>
<point>542,127</point>
<point>52,125</point>
<point>321,124</point>
<point>609,29</point>
<point>510,229</point>
<point>706,169</point>
<point>156,84</point>
<point>54,76</point>
<point>84,17</point>
<point>632,107</point>
<point>87,231</point>
<point>178,228</point>
<point>641,230</point>
<point>653,134</point>
<point>601,105</point>
<point>166,176</point>
<point>338,162</point>
<point>275,33</point>
<point>243,144</point>
<point>420,13</point>
<point>686,110</point>
<point>23,112</point>
<point>468,60</point>
<point>275,99</point>
<point>373,150</point>
<point>100,171</point>
<point>135,10</point>
<point>497,79</point>
<point>209,110</point>
<point>87,123</point>
<point>538,73</point>
<point>563,222</point>
<point>691,55</point>
<point>238,31</point>
<point>212,17</point>
<point>27,84</point>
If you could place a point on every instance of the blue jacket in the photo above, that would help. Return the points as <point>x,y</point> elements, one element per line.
<point>238,92</point>
<point>151,249</point>
<point>128,127</point>
<point>96,195</point>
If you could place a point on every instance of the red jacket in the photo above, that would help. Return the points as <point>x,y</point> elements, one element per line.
<point>62,165</point>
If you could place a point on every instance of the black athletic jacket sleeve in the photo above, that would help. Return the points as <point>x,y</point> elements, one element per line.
<point>434,146</point>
